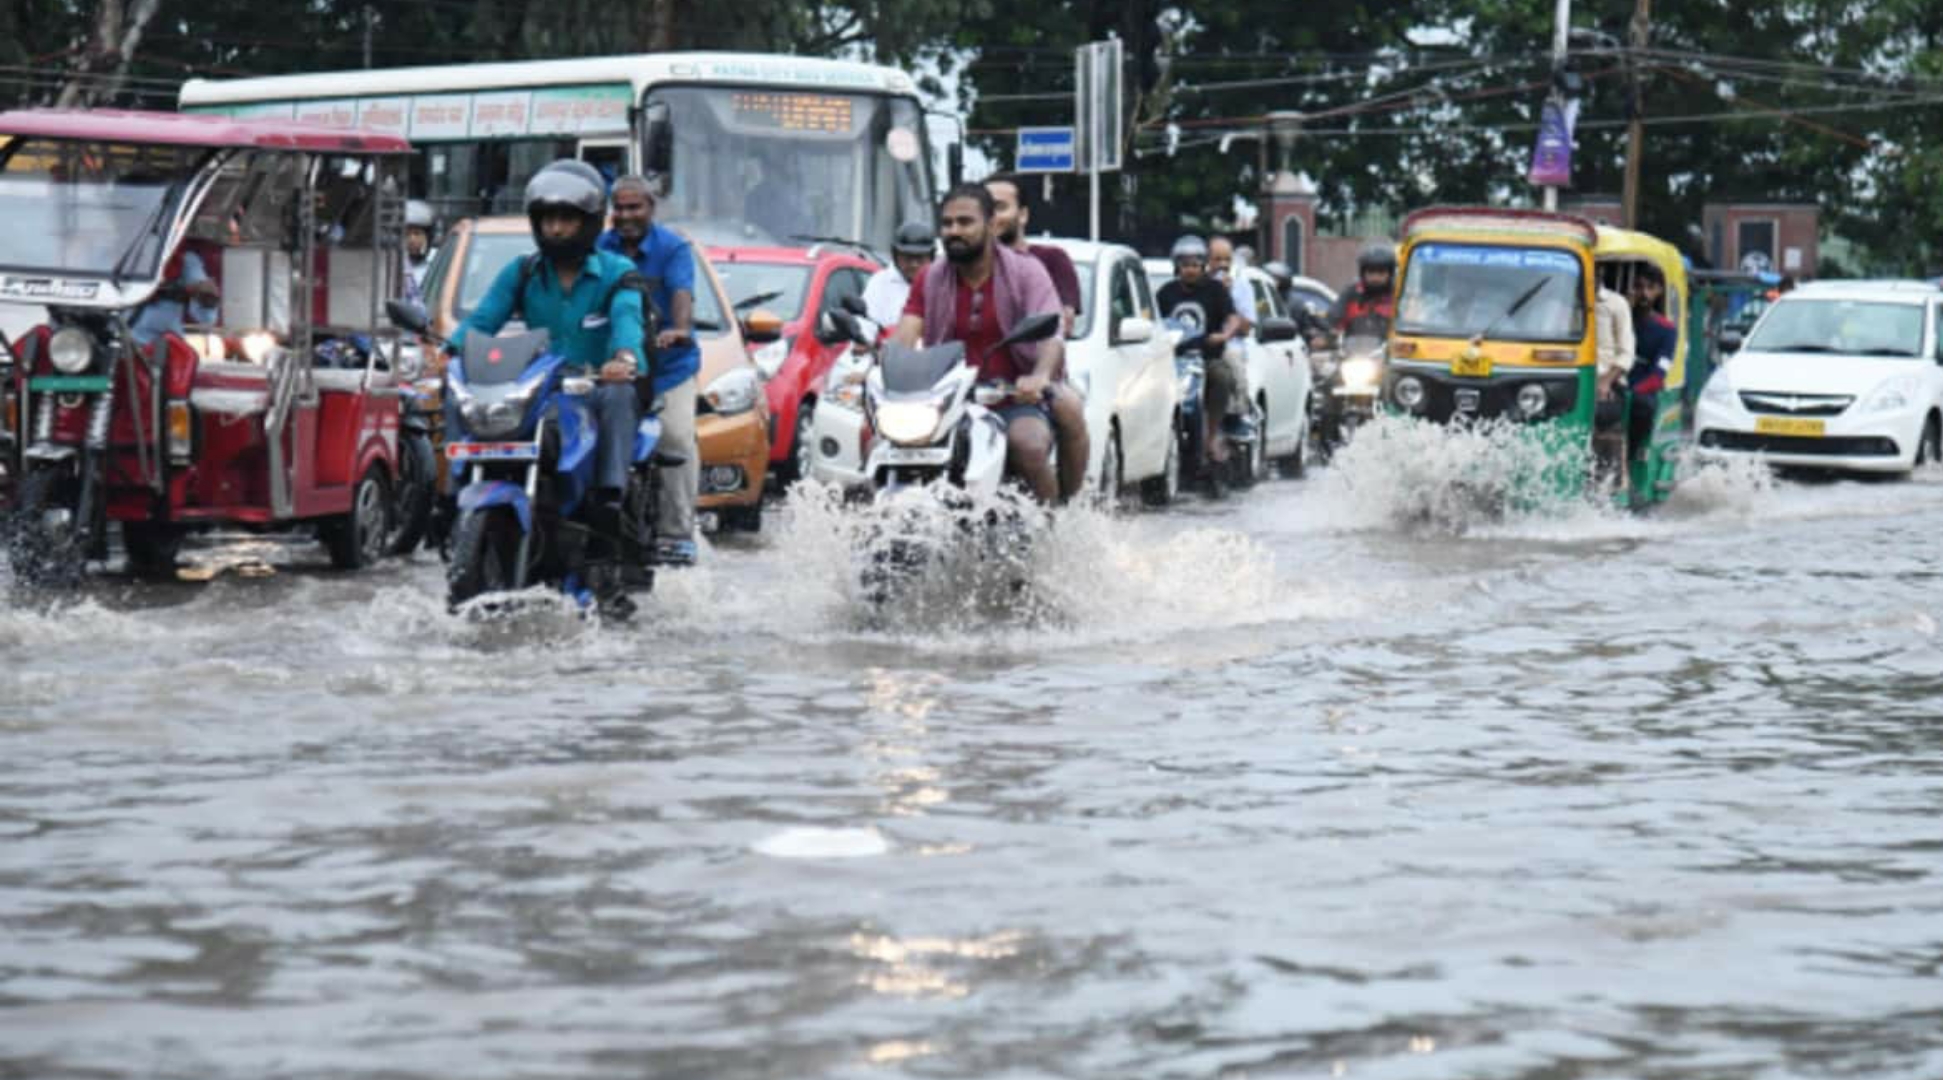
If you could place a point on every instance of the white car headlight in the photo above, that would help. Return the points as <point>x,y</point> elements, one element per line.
<point>1895,394</point>
<point>1361,373</point>
<point>769,358</point>
<point>1718,390</point>
<point>908,422</point>
<point>70,350</point>
<point>734,392</point>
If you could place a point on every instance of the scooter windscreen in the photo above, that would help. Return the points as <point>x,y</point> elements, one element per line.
<point>490,360</point>
<point>914,371</point>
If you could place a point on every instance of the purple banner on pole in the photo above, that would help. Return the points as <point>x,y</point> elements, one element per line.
<point>1551,155</point>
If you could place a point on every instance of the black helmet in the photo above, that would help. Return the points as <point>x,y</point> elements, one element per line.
<point>571,185</point>
<point>914,238</point>
<point>1377,256</point>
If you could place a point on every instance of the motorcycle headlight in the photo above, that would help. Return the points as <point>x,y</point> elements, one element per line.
<point>70,350</point>
<point>734,392</point>
<point>908,422</point>
<point>1361,372</point>
<point>1895,394</point>
<point>769,358</point>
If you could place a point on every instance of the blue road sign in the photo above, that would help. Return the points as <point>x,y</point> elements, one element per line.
<point>1045,150</point>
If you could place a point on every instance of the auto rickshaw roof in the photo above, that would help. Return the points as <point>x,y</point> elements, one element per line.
<point>1503,224</point>
<point>185,129</point>
<point>1615,242</point>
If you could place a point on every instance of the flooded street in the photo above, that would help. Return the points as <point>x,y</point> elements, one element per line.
<point>1304,783</point>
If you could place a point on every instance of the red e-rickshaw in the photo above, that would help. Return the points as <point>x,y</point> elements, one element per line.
<point>214,350</point>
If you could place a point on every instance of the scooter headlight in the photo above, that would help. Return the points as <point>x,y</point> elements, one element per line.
<point>1532,399</point>
<point>908,422</point>
<point>1409,392</point>
<point>1361,373</point>
<point>70,350</point>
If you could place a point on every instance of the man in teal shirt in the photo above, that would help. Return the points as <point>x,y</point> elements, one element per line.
<point>563,295</point>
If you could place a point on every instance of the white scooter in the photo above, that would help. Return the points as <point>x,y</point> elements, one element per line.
<point>936,426</point>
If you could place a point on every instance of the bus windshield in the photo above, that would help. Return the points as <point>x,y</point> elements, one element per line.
<point>767,167</point>
<point>1516,294</point>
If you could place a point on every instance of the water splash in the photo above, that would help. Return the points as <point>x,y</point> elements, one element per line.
<point>1405,473</point>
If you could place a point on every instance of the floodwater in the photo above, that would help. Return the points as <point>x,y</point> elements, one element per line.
<point>1331,780</point>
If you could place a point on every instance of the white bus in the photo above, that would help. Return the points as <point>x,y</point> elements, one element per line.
<point>752,149</point>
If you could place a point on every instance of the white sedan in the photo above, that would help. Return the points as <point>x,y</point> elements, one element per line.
<point>1124,364</point>
<point>1279,379</point>
<point>1836,375</point>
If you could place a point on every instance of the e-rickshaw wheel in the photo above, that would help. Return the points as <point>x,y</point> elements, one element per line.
<point>359,538</point>
<point>152,548</point>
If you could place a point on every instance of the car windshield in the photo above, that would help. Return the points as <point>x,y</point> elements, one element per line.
<point>89,208</point>
<point>790,283</point>
<point>488,254</point>
<point>755,165</point>
<point>1518,294</point>
<point>1851,327</point>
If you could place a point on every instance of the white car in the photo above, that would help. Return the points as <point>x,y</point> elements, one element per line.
<point>1119,358</point>
<point>839,436</point>
<point>1844,375</point>
<point>1279,378</point>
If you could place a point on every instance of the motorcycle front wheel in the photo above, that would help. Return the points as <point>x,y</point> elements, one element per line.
<point>485,547</point>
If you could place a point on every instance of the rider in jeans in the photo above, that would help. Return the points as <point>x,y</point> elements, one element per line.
<point>562,294</point>
<point>976,294</point>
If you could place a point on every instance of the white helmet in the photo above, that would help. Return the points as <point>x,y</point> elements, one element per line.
<point>418,215</point>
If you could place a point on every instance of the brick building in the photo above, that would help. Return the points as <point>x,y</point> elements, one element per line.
<point>1781,237</point>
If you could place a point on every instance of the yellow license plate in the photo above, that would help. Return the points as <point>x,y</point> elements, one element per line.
<point>1789,425</point>
<point>1471,367</point>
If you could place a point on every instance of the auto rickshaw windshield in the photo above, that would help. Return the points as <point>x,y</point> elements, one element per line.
<point>89,209</point>
<point>1517,294</point>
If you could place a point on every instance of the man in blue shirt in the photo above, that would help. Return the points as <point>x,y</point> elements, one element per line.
<point>665,259</point>
<point>190,294</point>
<point>562,295</point>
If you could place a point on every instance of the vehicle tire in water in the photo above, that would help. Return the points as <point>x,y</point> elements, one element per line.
<point>359,538</point>
<point>484,544</point>
<point>1929,450</point>
<point>1162,490</point>
<point>1108,493</point>
<point>56,558</point>
<point>802,445</point>
<point>152,548</point>
<point>417,487</point>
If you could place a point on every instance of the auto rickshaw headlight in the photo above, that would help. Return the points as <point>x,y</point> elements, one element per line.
<point>1532,399</point>
<point>256,345</point>
<point>1409,392</point>
<point>70,350</point>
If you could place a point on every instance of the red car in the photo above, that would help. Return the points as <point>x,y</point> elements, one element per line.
<point>796,286</point>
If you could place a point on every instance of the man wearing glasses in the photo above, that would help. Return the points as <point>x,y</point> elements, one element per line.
<point>977,293</point>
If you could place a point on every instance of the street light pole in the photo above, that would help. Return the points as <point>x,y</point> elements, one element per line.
<point>1635,107</point>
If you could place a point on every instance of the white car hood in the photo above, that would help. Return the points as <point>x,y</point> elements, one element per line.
<point>1815,373</point>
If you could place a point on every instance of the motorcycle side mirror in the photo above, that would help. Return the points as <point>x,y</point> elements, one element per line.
<point>408,316</point>
<point>1276,328</point>
<point>1033,328</point>
<point>855,305</point>
<point>842,326</point>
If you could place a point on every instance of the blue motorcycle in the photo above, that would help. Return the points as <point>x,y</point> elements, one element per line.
<point>1190,432</point>
<point>522,462</point>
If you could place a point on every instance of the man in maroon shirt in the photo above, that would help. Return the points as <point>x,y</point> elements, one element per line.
<point>976,294</point>
<point>1011,216</point>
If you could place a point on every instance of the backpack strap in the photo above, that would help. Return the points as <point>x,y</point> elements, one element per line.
<point>528,266</point>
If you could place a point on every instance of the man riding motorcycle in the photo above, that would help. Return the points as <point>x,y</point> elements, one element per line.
<point>1203,307</point>
<point>975,294</point>
<point>589,302</point>
<point>1372,294</point>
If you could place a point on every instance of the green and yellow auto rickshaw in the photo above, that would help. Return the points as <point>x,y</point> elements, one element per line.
<point>1495,327</point>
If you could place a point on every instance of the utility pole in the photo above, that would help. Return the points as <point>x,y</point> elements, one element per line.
<point>1561,31</point>
<point>367,36</point>
<point>1635,108</point>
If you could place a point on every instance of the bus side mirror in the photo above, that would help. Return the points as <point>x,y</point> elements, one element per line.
<point>658,138</point>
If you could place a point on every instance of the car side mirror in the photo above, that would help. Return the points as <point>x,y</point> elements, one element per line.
<point>855,305</point>
<point>1730,341</point>
<point>830,329</point>
<point>762,326</point>
<point>1276,328</point>
<point>1133,330</point>
<point>1033,328</point>
<point>408,316</point>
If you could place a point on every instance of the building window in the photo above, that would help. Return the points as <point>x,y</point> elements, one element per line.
<point>1754,244</point>
<point>1292,243</point>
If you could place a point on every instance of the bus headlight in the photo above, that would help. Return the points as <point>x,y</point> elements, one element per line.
<point>70,350</point>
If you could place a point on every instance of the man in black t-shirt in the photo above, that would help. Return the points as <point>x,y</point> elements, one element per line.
<point>1201,307</point>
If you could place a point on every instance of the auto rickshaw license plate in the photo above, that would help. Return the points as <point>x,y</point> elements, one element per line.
<point>1471,367</point>
<point>1790,425</point>
<point>497,451</point>
<point>68,384</point>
